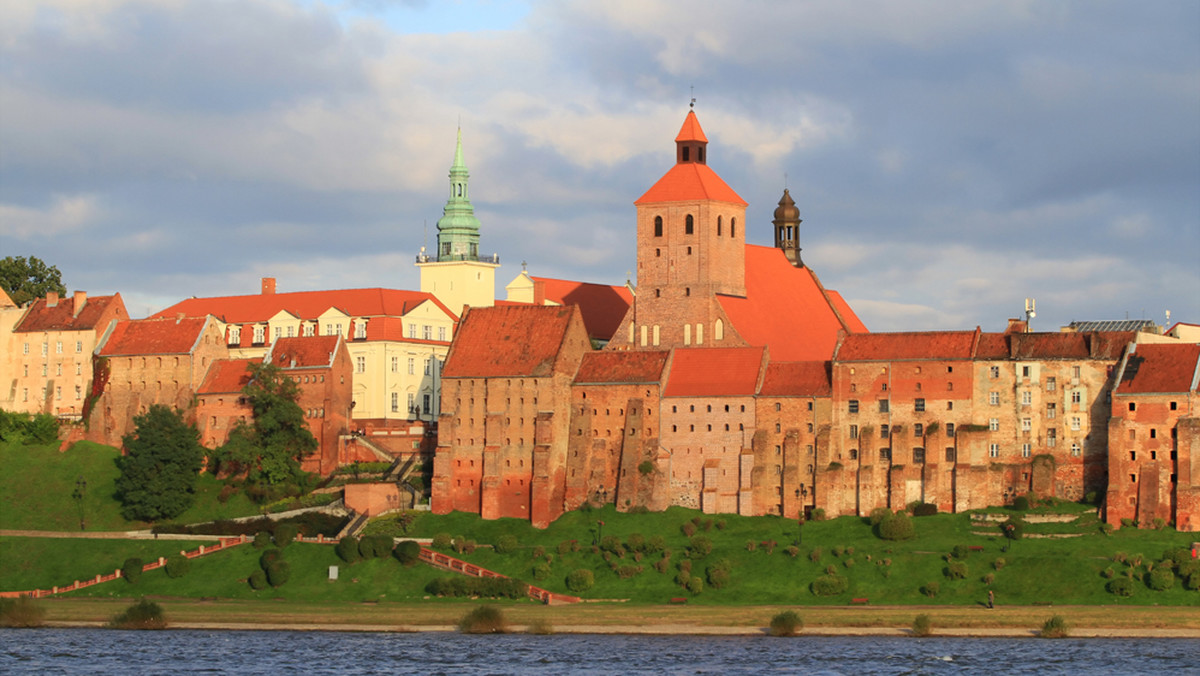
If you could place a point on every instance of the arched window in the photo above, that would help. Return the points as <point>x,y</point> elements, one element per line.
<point>689,225</point>
<point>718,226</point>
<point>733,227</point>
<point>719,330</point>
<point>658,226</point>
<point>687,334</point>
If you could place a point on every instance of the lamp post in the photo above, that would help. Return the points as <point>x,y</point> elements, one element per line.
<point>77,495</point>
<point>600,531</point>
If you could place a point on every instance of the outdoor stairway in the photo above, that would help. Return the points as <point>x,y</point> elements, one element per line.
<point>447,562</point>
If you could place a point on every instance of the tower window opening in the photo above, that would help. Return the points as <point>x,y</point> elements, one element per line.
<point>689,225</point>
<point>658,227</point>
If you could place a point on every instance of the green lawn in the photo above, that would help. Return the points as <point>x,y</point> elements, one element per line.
<point>37,482</point>
<point>41,563</point>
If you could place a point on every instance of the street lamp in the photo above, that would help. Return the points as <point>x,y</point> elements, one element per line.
<point>77,494</point>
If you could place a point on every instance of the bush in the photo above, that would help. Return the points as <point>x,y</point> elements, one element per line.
<point>442,541</point>
<point>178,566</point>
<point>1013,529</point>
<point>1021,503</point>
<point>792,551</point>
<point>960,552</point>
<point>540,627</point>
<point>1109,573</point>
<point>636,542</point>
<point>838,550</point>
<point>21,612</point>
<point>1159,523</point>
<point>1055,627</point>
<point>629,570</point>
<point>989,578</point>
<point>878,515</point>
<point>646,467</point>
<point>922,626</point>
<point>721,524</point>
<point>278,573</point>
<point>719,573</point>
<point>1161,579</point>
<point>262,539</point>
<point>815,554</point>
<point>408,552</point>
<point>688,529</point>
<point>699,547</point>
<point>1121,586</point>
<point>141,615</point>
<point>999,563</point>
<point>483,620</point>
<point>695,585</point>
<point>347,549</point>
<point>1193,582</point>
<point>285,534</point>
<point>580,580</point>
<point>751,545</point>
<point>258,580</point>
<point>541,570</point>
<point>375,546</point>
<point>268,557</point>
<point>505,544</point>
<point>829,585</point>
<point>897,527</point>
<point>925,509</point>
<point>655,543</point>
<point>131,570</point>
<point>956,570</point>
<point>930,589</point>
<point>787,623</point>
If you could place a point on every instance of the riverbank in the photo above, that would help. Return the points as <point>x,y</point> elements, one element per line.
<point>613,618</point>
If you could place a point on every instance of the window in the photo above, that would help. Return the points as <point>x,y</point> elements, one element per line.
<point>1026,450</point>
<point>79,369</point>
<point>1075,449</point>
<point>918,455</point>
<point>427,367</point>
<point>993,450</point>
<point>1051,411</point>
<point>689,225</point>
<point>1051,383</point>
<point>310,329</point>
<point>919,405</point>
<point>291,331</point>
<point>949,429</point>
<point>718,226</point>
<point>260,334</point>
<point>1132,406</point>
<point>1051,437</point>
<point>733,227</point>
<point>58,393</point>
<point>1174,406</point>
<point>1076,397</point>
<point>918,430</point>
<point>412,366</point>
<point>994,371</point>
<point>994,398</point>
<point>883,405</point>
<point>853,405</point>
<point>58,369</point>
<point>58,347</point>
<point>949,454</point>
<point>360,329</point>
<point>412,331</point>
<point>1075,373</point>
<point>1026,398</point>
<point>24,394</point>
<point>78,346</point>
<point>442,334</point>
<point>395,402</point>
<point>427,332</point>
<point>884,431</point>
<point>425,401</point>
<point>993,424</point>
<point>1026,424</point>
<point>1025,371</point>
<point>45,349</point>
<point>1075,423</point>
<point>854,431</point>
<point>395,364</point>
<point>26,348</point>
<point>658,226</point>
<point>78,393</point>
<point>885,454</point>
<point>360,364</point>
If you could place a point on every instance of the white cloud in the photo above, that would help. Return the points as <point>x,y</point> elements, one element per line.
<point>65,214</point>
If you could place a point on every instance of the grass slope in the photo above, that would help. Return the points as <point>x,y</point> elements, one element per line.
<point>36,483</point>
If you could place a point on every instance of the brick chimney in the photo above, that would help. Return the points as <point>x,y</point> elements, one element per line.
<point>1017,326</point>
<point>51,299</point>
<point>268,286</point>
<point>80,301</point>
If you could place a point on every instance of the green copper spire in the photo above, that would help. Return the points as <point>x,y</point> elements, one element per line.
<point>458,229</point>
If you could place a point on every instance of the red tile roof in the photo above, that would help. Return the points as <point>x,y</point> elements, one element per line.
<point>305,304</point>
<point>907,345</point>
<point>992,346</point>
<point>603,307</point>
<point>787,309</point>
<point>797,379</point>
<point>622,367</point>
<point>691,131</point>
<point>227,376</point>
<point>154,336</point>
<point>304,352</point>
<point>1161,368</point>
<point>1108,345</point>
<point>62,316</point>
<point>509,340</point>
<point>689,182</point>
<point>714,371</point>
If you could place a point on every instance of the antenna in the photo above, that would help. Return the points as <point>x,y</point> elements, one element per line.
<point>692,94</point>
<point>1030,312</point>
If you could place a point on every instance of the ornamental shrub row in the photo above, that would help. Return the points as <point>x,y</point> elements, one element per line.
<point>483,587</point>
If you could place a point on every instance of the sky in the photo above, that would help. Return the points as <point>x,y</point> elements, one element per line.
<point>949,159</point>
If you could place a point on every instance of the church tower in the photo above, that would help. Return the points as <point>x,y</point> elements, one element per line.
<point>691,241</point>
<point>787,229</point>
<point>455,272</point>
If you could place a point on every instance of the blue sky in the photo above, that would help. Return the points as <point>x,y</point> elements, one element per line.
<point>949,159</point>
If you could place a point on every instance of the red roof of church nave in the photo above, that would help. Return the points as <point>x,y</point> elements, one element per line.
<point>714,371</point>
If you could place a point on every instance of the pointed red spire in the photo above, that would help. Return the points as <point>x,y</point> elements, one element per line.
<point>691,131</point>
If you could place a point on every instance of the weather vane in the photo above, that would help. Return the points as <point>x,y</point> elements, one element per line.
<point>693,95</point>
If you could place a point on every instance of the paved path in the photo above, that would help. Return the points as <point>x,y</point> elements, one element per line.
<point>108,535</point>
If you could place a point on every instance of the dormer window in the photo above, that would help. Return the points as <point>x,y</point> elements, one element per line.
<point>360,329</point>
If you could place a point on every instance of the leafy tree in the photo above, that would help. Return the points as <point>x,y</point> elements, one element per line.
<point>158,473</point>
<point>25,279</point>
<point>269,450</point>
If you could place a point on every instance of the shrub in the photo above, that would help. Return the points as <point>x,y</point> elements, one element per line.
<point>922,626</point>
<point>930,589</point>
<point>1021,503</point>
<point>1128,523</point>
<point>695,585</point>
<point>925,509</point>
<point>1109,573</point>
<point>141,615</point>
<point>347,549</point>
<point>1055,627</point>
<point>268,557</point>
<point>278,573</point>
<point>792,551</point>
<point>646,467</point>
<point>707,525</point>
<point>721,524</point>
<point>838,550</point>
<point>262,539</point>
<point>1013,529</point>
<point>131,570</point>
<point>956,570</point>
<point>815,554</point>
<point>849,563</point>
<point>540,626</point>
<point>1188,567</point>
<point>751,545</point>
<point>1193,582</point>
<point>1161,579</point>
<point>719,573</point>
<point>688,529</point>
<point>829,585</point>
<point>636,542</point>
<point>441,541</point>
<point>505,544</point>
<point>21,612</point>
<point>699,547</point>
<point>375,546</point>
<point>489,587</point>
<point>989,578</point>
<point>285,534</point>
<point>258,580</point>
<point>878,515</point>
<point>787,623</point>
<point>662,565</point>
<point>408,552</point>
<point>818,514</point>
<point>538,552</point>
<point>580,580</point>
<point>831,569</point>
<point>998,563</point>
<point>960,552</point>
<point>1107,528</point>
<point>656,543</point>
<point>541,570</point>
<point>629,570</point>
<point>483,620</point>
<point>178,566</point>
<point>1159,523</point>
<point>1121,586</point>
<point>682,577</point>
<point>897,527</point>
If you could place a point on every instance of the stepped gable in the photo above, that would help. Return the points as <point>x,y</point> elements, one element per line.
<point>786,308</point>
<point>227,376</point>
<point>375,302</point>
<point>714,371</point>
<point>303,352</point>
<point>1154,368</point>
<point>621,367</point>
<point>64,316</point>
<point>797,379</point>
<point>508,340</point>
<point>690,180</point>
<point>937,345</point>
<point>154,336</point>
<point>602,306</point>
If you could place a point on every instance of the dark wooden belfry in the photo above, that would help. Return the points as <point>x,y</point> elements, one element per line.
<point>691,144</point>
<point>787,229</point>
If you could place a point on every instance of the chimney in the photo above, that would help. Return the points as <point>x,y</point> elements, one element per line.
<point>80,301</point>
<point>51,299</point>
<point>268,286</point>
<point>539,292</point>
<point>1017,326</point>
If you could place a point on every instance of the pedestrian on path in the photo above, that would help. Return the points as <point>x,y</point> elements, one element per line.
<point>991,599</point>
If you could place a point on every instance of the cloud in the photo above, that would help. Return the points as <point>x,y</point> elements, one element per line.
<point>63,215</point>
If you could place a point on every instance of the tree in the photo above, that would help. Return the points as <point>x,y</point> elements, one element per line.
<point>25,279</point>
<point>158,473</point>
<point>269,450</point>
